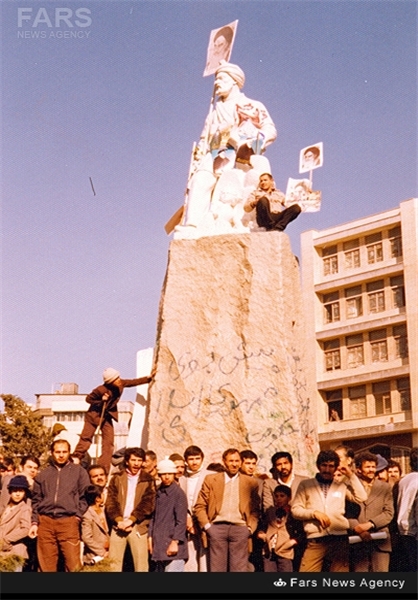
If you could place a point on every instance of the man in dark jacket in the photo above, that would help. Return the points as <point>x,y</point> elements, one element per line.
<point>103,409</point>
<point>57,507</point>
<point>129,507</point>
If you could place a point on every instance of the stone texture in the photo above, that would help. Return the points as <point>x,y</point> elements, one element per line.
<point>230,352</point>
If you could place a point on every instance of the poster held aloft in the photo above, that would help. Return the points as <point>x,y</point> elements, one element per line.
<point>299,191</point>
<point>311,157</point>
<point>220,45</point>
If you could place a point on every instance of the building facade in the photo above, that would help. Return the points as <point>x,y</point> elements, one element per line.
<point>360,287</point>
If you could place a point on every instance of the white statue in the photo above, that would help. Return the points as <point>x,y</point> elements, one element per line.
<point>236,132</point>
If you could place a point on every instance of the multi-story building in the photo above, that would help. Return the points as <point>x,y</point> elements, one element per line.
<point>360,287</point>
<point>67,406</point>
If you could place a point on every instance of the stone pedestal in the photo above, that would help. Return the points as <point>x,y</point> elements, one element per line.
<point>230,358</point>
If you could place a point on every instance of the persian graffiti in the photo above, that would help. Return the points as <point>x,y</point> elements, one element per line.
<point>243,388</point>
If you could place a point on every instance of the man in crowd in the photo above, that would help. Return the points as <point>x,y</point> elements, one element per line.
<point>283,474</point>
<point>227,508</point>
<point>408,514</point>
<point>269,205</point>
<point>320,504</point>
<point>178,460</point>
<point>248,467</point>
<point>191,483</point>
<point>98,476</point>
<point>376,513</point>
<point>29,467</point>
<point>394,472</point>
<point>150,464</point>
<point>103,409</point>
<point>58,505</point>
<point>129,507</point>
<point>167,541</point>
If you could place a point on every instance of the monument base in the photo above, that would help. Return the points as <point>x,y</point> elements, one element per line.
<point>231,367</point>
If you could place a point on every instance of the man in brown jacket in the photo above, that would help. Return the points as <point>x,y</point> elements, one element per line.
<point>227,508</point>
<point>103,410</point>
<point>376,513</point>
<point>129,507</point>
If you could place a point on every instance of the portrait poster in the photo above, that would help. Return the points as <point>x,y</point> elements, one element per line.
<point>298,191</point>
<point>221,41</point>
<point>311,157</point>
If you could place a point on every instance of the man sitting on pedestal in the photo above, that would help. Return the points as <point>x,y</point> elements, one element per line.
<point>269,205</point>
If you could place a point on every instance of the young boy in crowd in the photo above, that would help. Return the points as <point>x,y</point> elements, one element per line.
<point>280,532</point>
<point>94,528</point>
<point>15,520</point>
<point>167,540</point>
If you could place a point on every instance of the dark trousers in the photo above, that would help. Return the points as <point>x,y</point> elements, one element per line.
<point>91,423</point>
<point>55,536</point>
<point>275,221</point>
<point>228,548</point>
<point>278,564</point>
<point>409,553</point>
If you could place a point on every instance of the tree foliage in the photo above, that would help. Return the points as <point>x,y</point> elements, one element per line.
<point>22,432</point>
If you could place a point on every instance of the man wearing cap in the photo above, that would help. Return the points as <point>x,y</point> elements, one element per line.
<point>269,205</point>
<point>167,540</point>
<point>235,129</point>
<point>103,409</point>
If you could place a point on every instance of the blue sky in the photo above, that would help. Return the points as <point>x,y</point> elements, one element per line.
<point>122,103</point>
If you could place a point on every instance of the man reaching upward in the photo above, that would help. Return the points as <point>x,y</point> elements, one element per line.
<point>103,410</point>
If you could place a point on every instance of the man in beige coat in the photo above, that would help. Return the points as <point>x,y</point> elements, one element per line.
<point>320,504</point>
<point>227,508</point>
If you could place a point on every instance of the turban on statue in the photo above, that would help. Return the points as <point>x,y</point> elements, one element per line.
<point>233,71</point>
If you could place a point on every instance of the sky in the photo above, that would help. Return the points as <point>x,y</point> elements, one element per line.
<point>121,102</point>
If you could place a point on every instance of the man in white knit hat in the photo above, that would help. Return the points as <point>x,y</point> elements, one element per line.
<point>103,410</point>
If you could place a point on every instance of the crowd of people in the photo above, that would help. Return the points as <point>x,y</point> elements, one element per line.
<point>358,513</point>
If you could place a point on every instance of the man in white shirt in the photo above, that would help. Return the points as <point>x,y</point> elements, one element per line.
<point>129,507</point>
<point>190,483</point>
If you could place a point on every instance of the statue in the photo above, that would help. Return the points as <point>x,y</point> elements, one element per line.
<point>236,133</point>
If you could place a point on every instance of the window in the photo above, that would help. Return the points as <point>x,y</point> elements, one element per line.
<point>378,345</point>
<point>69,416</point>
<point>376,295</point>
<point>334,401</point>
<point>374,248</point>
<point>358,406</point>
<point>330,260</point>
<point>398,291</point>
<point>352,254</point>
<point>395,238</point>
<point>332,355</point>
<point>332,307</point>
<point>404,389</point>
<point>353,301</point>
<point>401,341</point>
<point>381,393</point>
<point>355,354</point>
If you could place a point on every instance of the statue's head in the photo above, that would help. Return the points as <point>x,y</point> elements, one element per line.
<point>234,72</point>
